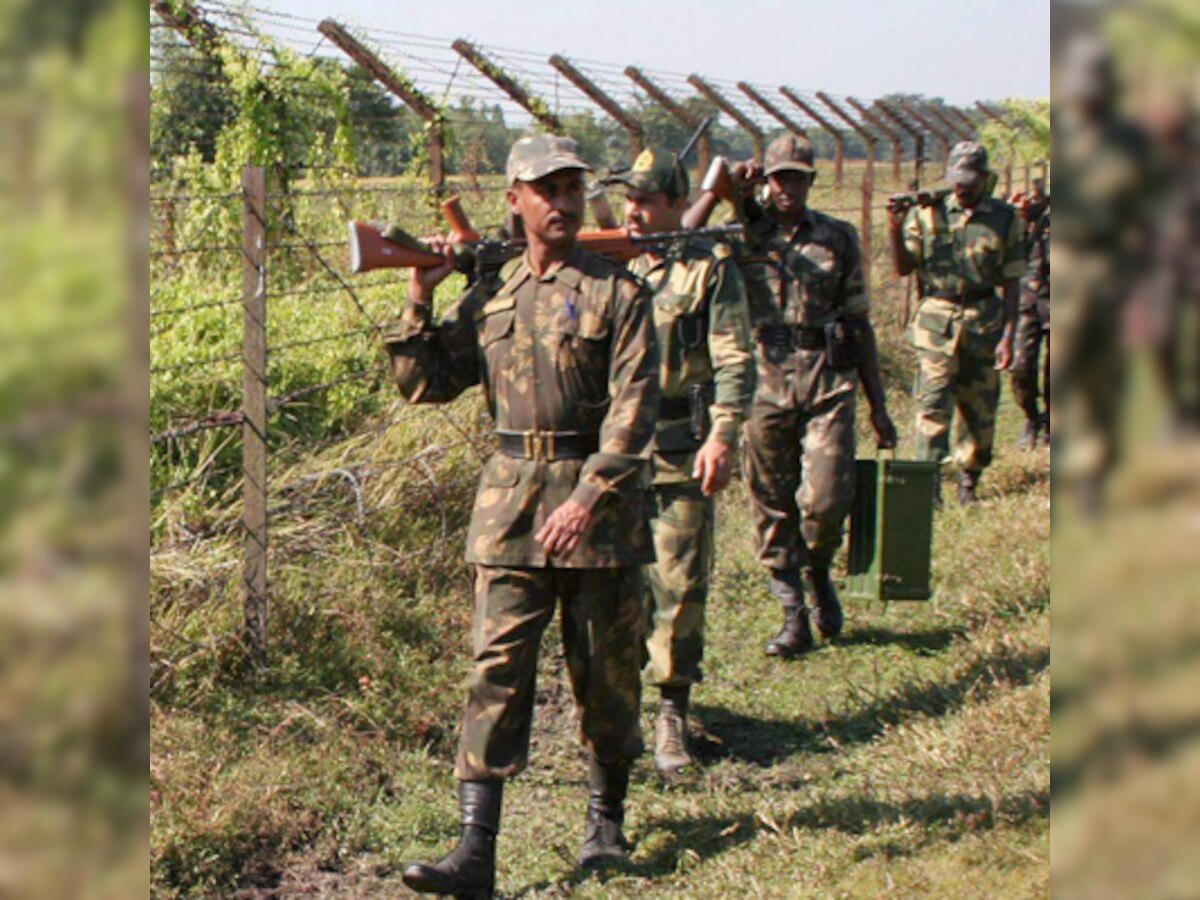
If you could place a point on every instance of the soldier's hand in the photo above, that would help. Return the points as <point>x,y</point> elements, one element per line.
<point>714,464</point>
<point>746,175</point>
<point>564,529</point>
<point>422,282</point>
<point>897,209</point>
<point>1004,353</point>
<point>885,429</point>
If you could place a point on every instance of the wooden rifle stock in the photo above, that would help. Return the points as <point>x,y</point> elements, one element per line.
<point>370,250</point>
<point>461,231</point>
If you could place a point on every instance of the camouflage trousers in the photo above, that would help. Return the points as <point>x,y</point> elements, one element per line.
<point>601,628</point>
<point>799,466</point>
<point>966,379</point>
<point>1090,366</point>
<point>1033,328</point>
<point>682,522</point>
<point>1177,357</point>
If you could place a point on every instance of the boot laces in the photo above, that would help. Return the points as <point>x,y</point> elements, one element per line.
<point>671,733</point>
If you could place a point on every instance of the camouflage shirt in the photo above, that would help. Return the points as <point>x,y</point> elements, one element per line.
<point>968,252</point>
<point>570,351</point>
<point>1036,280</point>
<point>1105,187</point>
<point>703,328</point>
<point>808,277</point>
<point>805,279</point>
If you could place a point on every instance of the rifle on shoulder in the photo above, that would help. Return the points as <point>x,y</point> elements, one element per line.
<point>905,201</point>
<point>390,247</point>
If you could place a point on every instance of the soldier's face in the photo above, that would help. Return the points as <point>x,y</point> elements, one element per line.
<point>650,213</point>
<point>551,208</point>
<point>789,190</point>
<point>970,193</point>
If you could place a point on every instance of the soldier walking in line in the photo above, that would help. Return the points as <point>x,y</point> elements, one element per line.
<point>963,248</point>
<point>1033,322</point>
<point>814,344</point>
<point>1105,201</point>
<point>707,384</point>
<point>563,346</point>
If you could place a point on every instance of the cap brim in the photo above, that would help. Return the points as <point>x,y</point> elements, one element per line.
<point>791,166</point>
<point>550,166</point>
<point>638,181</point>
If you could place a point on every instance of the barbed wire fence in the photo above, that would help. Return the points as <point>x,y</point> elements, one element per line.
<point>233,400</point>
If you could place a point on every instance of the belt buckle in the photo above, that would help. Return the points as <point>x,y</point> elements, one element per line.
<point>539,444</point>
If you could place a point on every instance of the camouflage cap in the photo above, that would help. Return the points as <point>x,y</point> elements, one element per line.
<point>539,155</point>
<point>968,163</point>
<point>654,170</point>
<point>789,153</point>
<point>1085,70</point>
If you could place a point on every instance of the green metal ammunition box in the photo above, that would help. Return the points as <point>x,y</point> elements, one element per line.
<point>891,530</point>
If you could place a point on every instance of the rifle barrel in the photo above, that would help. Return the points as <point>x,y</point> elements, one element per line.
<point>704,125</point>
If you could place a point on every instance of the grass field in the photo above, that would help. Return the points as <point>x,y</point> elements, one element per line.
<point>912,758</point>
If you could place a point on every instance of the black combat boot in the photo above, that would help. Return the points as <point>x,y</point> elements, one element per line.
<point>1029,435</point>
<point>968,481</point>
<point>469,870</point>
<point>603,840</point>
<point>795,637</point>
<point>826,609</point>
<point>671,754</point>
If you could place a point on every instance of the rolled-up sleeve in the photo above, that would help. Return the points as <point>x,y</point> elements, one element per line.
<point>435,363</point>
<point>731,349</point>
<point>1014,250</point>
<point>913,243</point>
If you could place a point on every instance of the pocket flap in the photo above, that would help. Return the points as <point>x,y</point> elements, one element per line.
<point>496,326</point>
<point>935,321</point>
<point>495,305</point>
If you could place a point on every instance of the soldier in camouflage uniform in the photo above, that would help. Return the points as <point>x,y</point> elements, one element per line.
<point>1033,321</point>
<point>1169,308</point>
<point>563,346</point>
<point>809,310</point>
<point>963,247</point>
<point>707,383</point>
<point>1103,203</point>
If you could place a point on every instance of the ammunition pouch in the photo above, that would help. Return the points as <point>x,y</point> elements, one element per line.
<point>693,406</point>
<point>700,397</point>
<point>841,345</point>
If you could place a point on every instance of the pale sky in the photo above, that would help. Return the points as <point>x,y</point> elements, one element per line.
<point>961,50</point>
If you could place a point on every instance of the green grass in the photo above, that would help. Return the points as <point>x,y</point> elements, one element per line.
<point>912,758</point>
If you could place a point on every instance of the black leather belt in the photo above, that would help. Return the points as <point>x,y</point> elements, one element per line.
<point>548,445</point>
<point>964,295</point>
<point>797,335</point>
<point>675,408</point>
